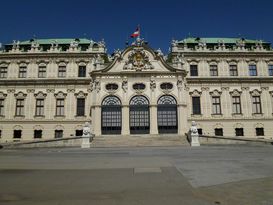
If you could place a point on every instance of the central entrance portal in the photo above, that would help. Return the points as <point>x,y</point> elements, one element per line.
<point>111,115</point>
<point>139,115</point>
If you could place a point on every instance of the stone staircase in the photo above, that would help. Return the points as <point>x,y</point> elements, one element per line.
<point>139,140</point>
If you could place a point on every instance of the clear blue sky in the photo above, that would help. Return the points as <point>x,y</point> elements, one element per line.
<point>114,20</point>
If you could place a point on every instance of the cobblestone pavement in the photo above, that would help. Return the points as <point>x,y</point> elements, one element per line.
<point>203,175</point>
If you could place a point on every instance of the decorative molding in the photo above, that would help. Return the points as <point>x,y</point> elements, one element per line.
<point>20,95</point>
<point>50,90</point>
<point>152,83</point>
<point>40,95</point>
<point>235,92</point>
<point>195,93</point>
<point>80,94</point>
<point>2,95</point>
<point>245,88</point>
<point>225,88</point>
<point>204,88</point>
<point>60,94</point>
<point>30,90</point>
<point>255,92</point>
<point>71,90</point>
<point>264,88</point>
<point>11,90</point>
<point>215,93</point>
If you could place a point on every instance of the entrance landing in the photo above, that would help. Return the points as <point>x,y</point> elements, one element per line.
<point>139,140</point>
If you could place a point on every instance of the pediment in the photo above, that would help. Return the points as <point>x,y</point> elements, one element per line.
<point>138,59</point>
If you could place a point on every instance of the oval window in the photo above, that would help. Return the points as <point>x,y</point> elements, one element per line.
<point>111,86</point>
<point>139,86</point>
<point>166,86</point>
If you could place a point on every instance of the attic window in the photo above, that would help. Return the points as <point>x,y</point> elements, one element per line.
<point>166,86</point>
<point>139,86</point>
<point>111,86</point>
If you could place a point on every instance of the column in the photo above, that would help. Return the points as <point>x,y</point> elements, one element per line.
<point>182,119</point>
<point>246,102</point>
<point>125,127</point>
<point>96,120</point>
<point>265,100</point>
<point>153,119</point>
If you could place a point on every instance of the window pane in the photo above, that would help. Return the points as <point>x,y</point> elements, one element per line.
<point>193,70</point>
<point>82,71</point>
<point>80,106</point>
<point>196,108</point>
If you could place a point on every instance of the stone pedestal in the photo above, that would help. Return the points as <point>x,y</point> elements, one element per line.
<point>195,140</point>
<point>85,142</point>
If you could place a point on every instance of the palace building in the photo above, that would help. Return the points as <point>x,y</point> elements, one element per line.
<point>50,87</point>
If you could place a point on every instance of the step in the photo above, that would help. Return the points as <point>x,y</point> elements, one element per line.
<point>139,140</point>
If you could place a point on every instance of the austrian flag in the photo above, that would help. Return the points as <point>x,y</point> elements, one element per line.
<point>136,33</point>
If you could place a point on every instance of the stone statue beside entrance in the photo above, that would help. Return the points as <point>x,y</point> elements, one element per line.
<point>86,136</point>
<point>194,135</point>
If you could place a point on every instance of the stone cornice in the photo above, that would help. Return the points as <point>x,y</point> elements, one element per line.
<point>230,80</point>
<point>44,82</point>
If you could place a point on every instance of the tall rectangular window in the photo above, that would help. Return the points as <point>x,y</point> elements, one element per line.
<point>193,70</point>
<point>252,70</point>
<point>216,105</point>
<point>236,105</point>
<point>256,104</point>
<point>22,72</point>
<point>80,106</point>
<point>239,131</point>
<point>213,70</point>
<point>270,70</point>
<point>82,71</point>
<point>58,133</point>
<point>233,71</point>
<point>62,71</point>
<point>2,107</point>
<point>196,107</point>
<point>42,71</point>
<point>3,72</point>
<point>19,107</point>
<point>39,107</point>
<point>60,107</point>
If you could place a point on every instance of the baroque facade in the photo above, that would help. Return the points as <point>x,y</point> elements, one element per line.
<point>50,87</point>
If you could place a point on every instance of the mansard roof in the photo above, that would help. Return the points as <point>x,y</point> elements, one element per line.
<point>210,40</point>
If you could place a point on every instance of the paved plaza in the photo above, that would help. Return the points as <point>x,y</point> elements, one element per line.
<point>206,175</point>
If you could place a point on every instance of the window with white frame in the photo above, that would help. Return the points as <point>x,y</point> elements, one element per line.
<point>236,105</point>
<point>216,105</point>
<point>59,107</point>
<point>270,70</point>
<point>2,101</point>
<point>42,71</point>
<point>22,71</point>
<point>213,70</point>
<point>252,70</point>
<point>256,104</point>
<point>19,107</point>
<point>233,70</point>
<point>62,71</point>
<point>3,71</point>
<point>40,107</point>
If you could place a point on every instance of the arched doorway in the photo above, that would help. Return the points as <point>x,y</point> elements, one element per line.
<point>139,115</point>
<point>167,114</point>
<point>111,115</point>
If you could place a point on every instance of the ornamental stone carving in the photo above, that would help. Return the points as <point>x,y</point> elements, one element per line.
<point>20,95</point>
<point>195,93</point>
<point>179,83</point>
<point>255,92</point>
<point>215,93</point>
<point>138,60</point>
<point>40,95</point>
<point>152,83</point>
<point>80,94</point>
<point>60,94</point>
<point>50,90</point>
<point>2,95</point>
<point>30,90</point>
<point>235,93</point>
<point>97,85</point>
<point>125,84</point>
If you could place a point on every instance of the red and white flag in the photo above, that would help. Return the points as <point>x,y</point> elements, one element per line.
<point>136,33</point>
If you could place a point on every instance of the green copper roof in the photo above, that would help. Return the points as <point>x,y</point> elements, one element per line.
<point>58,40</point>
<point>217,40</point>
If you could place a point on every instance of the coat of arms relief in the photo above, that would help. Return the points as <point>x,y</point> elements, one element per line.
<point>138,60</point>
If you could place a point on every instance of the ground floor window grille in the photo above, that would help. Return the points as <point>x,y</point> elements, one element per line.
<point>218,132</point>
<point>38,134</point>
<point>58,133</point>
<point>17,134</point>
<point>260,131</point>
<point>239,131</point>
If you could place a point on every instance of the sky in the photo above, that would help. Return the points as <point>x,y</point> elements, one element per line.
<point>114,20</point>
